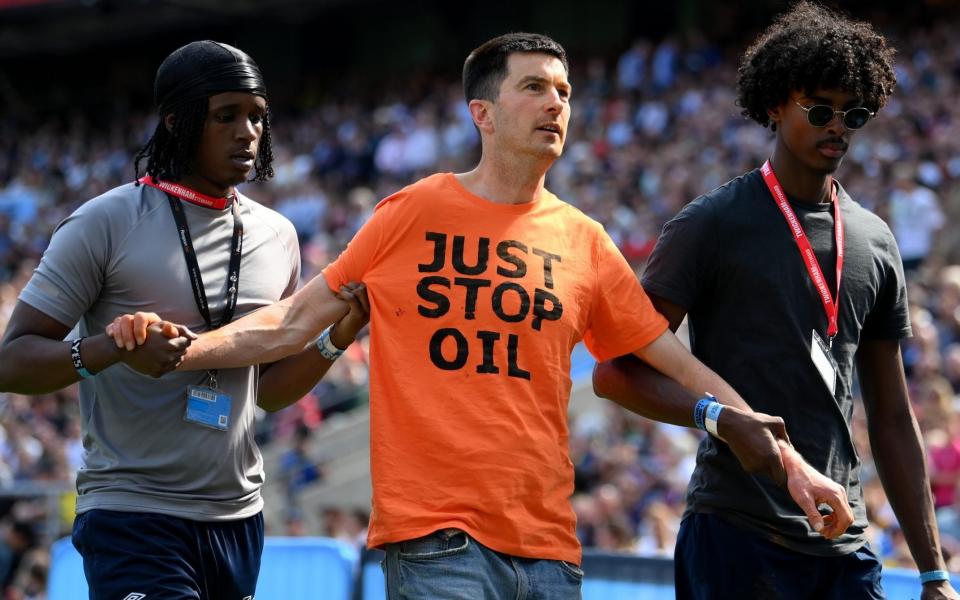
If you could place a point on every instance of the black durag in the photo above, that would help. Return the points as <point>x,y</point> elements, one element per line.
<point>203,69</point>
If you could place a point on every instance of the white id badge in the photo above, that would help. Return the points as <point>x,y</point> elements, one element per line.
<point>823,360</point>
<point>208,407</point>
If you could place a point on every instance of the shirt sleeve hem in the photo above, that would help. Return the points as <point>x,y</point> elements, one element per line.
<point>39,303</point>
<point>895,334</point>
<point>643,338</point>
<point>332,278</point>
<point>668,293</point>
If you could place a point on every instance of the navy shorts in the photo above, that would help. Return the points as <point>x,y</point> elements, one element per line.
<point>159,557</point>
<point>715,560</point>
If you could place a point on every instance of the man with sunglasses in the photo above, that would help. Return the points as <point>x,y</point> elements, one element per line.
<point>756,265</point>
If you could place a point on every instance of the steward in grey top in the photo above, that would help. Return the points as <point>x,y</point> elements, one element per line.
<point>120,253</point>
<point>169,497</point>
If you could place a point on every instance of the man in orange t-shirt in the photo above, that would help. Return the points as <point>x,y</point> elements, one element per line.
<point>480,285</point>
<point>476,307</point>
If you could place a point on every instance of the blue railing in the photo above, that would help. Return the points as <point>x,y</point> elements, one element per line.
<point>325,569</point>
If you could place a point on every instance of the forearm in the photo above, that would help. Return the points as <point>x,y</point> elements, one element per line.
<point>793,462</point>
<point>903,473</point>
<point>269,334</point>
<point>638,387</point>
<point>289,380</point>
<point>668,387</point>
<point>668,356</point>
<point>898,449</point>
<point>33,364</point>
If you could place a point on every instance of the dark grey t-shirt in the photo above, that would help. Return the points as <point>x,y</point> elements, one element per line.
<point>120,253</point>
<point>729,259</point>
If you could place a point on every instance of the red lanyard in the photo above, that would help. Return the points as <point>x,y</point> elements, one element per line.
<point>185,193</point>
<point>177,192</point>
<point>806,250</point>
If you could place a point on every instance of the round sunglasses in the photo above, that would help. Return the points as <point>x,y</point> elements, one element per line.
<point>820,115</point>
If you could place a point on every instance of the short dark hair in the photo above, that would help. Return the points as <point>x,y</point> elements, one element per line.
<point>486,67</point>
<point>812,47</point>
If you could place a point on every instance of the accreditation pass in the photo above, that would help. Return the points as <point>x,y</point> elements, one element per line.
<point>824,361</point>
<point>208,407</point>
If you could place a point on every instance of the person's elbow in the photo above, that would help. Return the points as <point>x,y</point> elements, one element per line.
<point>268,405</point>
<point>612,377</point>
<point>274,402</point>
<point>8,369</point>
<point>6,383</point>
<point>603,373</point>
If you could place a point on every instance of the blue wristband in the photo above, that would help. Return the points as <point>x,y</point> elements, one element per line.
<point>713,413</point>
<point>326,347</point>
<point>938,575</point>
<point>700,412</point>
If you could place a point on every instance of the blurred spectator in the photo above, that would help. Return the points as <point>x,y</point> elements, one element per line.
<point>632,67</point>
<point>18,538</point>
<point>348,526</point>
<point>915,217</point>
<point>298,468</point>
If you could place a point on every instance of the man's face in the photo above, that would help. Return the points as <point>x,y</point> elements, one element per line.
<point>531,114</point>
<point>819,148</point>
<point>231,137</point>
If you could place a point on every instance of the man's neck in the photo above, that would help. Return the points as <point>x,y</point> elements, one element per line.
<point>203,185</point>
<point>506,179</point>
<point>799,181</point>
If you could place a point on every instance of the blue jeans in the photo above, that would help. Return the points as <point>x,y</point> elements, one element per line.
<point>451,565</point>
<point>715,560</point>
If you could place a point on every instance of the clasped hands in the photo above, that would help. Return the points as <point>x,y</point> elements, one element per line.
<point>154,346</point>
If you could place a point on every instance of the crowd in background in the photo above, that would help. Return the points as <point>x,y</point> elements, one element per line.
<point>652,128</point>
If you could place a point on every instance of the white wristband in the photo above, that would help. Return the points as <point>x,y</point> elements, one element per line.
<point>713,413</point>
<point>326,347</point>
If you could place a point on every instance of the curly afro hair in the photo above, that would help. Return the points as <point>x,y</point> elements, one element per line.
<point>809,48</point>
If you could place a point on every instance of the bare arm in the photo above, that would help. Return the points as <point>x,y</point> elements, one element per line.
<point>659,386</point>
<point>269,334</point>
<point>901,465</point>
<point>655,378</point>
<point>283,382</point>
<point>667,355</point>
<point>34,359</point>
<point>287,381</point>
<point>634,385</point>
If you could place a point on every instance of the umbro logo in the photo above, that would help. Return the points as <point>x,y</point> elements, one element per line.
<point>135,596</point>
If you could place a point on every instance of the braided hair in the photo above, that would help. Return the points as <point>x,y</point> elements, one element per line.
<point>169,152</point>
<point>185,81</point>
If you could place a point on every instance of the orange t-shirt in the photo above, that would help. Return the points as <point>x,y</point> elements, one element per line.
<point>475,309</point>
